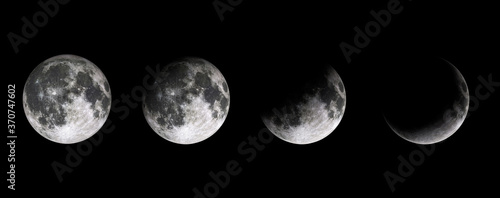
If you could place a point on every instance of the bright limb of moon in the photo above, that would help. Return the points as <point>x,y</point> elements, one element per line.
<point>443,128</point>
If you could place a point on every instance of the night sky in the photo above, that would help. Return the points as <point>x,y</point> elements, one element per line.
<point>262,48</point>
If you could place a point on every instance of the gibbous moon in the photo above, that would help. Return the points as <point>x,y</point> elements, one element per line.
<point>189,101</point>
<point>441,107</point>
<point>313,113</point>
<point>66,99</point>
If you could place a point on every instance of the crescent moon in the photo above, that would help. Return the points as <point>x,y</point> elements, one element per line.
<point>441,129</point>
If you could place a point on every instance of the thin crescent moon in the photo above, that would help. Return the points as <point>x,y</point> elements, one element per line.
<point>444,128</point>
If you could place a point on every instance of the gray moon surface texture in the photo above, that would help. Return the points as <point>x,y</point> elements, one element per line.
<point>66,99</point>
<point>451,118</point>
<point>314,114</point>
<point>189,101</point>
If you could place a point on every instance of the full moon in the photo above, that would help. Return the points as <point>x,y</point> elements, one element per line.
<point>431,106</point>
<point>66,99</point>
<point>189,101</point>
<point>312,113</point>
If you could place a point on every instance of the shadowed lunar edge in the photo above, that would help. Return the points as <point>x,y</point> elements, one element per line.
<point>314,114</point>
<point>452,117</point>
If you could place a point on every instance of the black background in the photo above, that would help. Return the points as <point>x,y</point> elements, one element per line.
<point>255,47</point>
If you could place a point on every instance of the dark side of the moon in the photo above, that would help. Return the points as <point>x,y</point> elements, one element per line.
<point>298,80</point>
<point>423,90</point>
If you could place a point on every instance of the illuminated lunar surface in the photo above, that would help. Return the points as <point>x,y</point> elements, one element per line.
<point>442,120</point>
<point>66,99</point>
<point>189,101</point>
<point>312,115</point>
